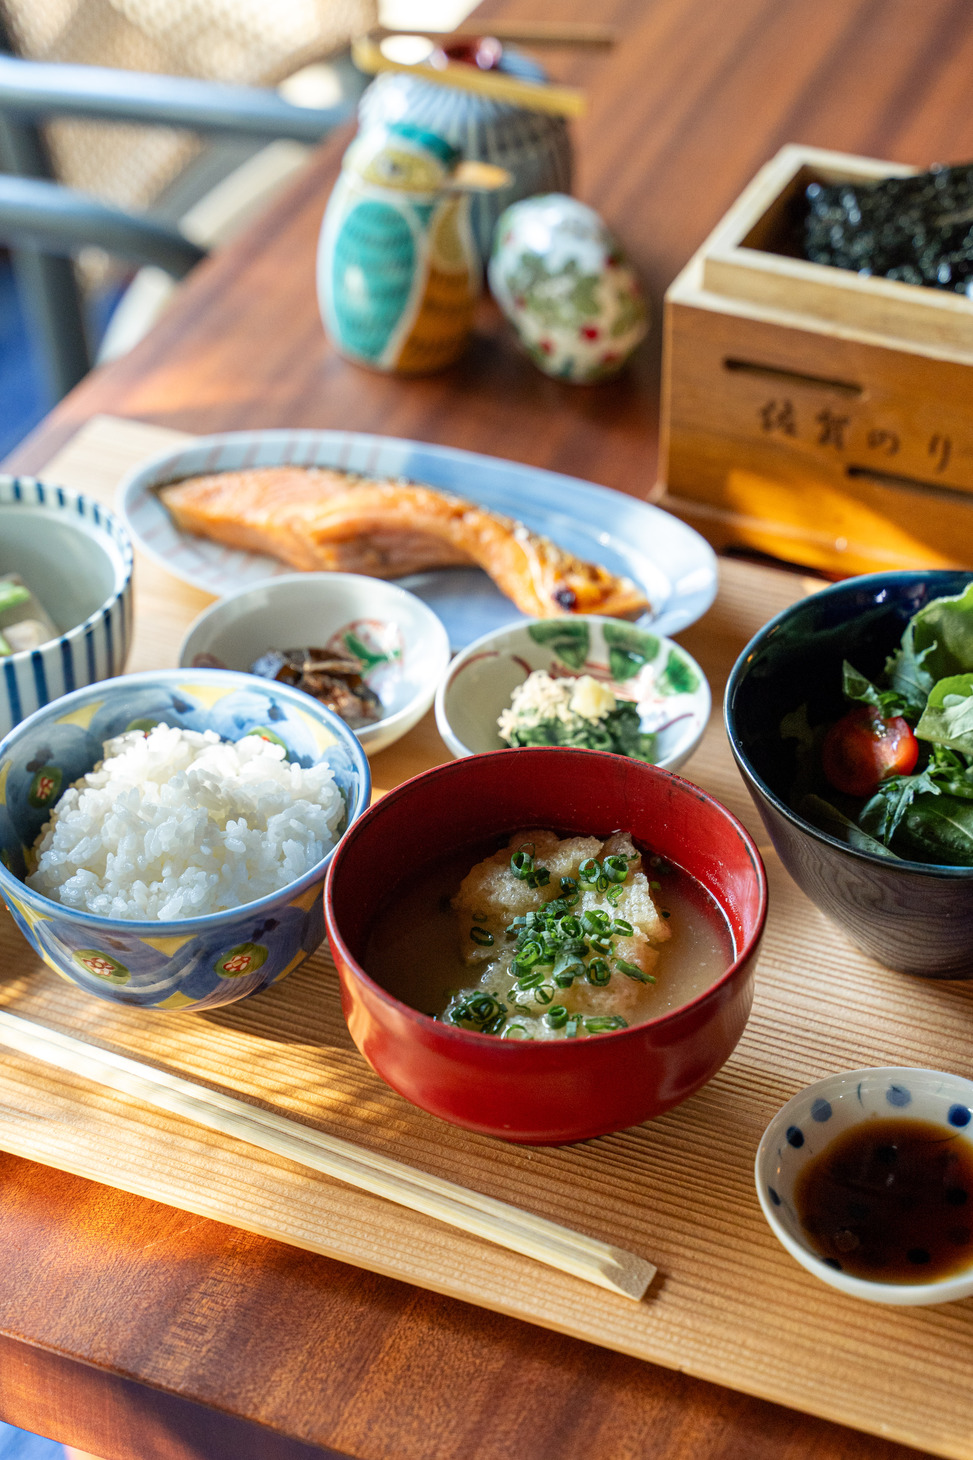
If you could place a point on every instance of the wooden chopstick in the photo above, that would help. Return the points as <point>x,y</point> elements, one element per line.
<point>495,1221</point>
<point>528,33</point>
<point>536,96</point>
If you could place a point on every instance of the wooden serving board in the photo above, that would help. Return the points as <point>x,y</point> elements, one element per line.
<point>729,1305</point>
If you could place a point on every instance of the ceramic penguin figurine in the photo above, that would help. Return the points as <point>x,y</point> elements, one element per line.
<point>398,271</point>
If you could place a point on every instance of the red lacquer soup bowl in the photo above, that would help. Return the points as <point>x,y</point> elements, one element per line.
<point>553,1091</point>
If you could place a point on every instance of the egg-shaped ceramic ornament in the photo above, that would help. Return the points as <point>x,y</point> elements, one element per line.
<point>563,282</point>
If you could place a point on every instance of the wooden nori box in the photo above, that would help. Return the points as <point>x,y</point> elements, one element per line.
<point>809,412</point>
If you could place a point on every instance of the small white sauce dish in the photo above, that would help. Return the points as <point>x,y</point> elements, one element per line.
<point>76,559</point>
<point>635,664</point>
<point>827,1110</point>
<point>400,641</point>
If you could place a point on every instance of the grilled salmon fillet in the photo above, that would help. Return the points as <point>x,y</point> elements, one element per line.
<point>318,519</point>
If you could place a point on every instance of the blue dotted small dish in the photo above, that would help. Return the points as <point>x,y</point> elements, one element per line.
<point>828,1111</point>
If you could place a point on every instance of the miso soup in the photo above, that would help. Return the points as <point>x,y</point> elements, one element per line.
<point>545,938</point>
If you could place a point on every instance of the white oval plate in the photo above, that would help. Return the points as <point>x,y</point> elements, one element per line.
<point>674,566</point>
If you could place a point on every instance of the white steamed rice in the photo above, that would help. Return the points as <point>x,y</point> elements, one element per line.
<point>177,824</point>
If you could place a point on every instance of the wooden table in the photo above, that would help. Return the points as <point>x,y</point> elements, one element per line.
<point>141,1333</point>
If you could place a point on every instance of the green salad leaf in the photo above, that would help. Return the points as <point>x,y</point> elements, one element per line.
<point>856,687</point>
<point>928,681</point>
<point>882,815</point>
<point>937,829</point>
<point>907,674</point>
<point>942,634</point>
<point>948,716</point>
<point>823,814</point>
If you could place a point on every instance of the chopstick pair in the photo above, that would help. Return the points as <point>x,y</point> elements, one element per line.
<point>482,1216</point>
<point>540,96</point>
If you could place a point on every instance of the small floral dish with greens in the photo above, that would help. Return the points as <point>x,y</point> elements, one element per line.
<point>587,682</point>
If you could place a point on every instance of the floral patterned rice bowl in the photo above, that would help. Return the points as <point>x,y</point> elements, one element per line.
<point>194,963</point>
<point>665,682</point>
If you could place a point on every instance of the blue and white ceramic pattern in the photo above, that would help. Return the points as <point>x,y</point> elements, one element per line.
<point>562,280</point>
<point>76,558</point>
<point>398,273</point>
<point>815,1116</point>
<point>193,963</point>
<point>671,562</point>
<point>665,682</point>
<point>533,147</point>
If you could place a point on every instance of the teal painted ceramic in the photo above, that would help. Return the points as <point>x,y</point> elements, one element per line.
<point>398,272</point>
<point>195,963</point>
<point>534,148</point>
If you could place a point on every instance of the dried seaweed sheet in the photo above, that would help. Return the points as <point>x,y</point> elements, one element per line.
<point>918,230</point>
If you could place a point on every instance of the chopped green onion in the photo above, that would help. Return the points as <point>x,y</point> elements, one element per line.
<point>624,928</point>
<point>603,883</point>
<point>567,967</point>
<point>605,1022</point>
<point>569,927</point>
<point>571,1028</point>
<point>614,893</point>
<point>600,945</point>
<point>516,1031</point>
<point>589,872</point>
<point>482,937</point>
<point>544,994</point>
<point>530,980</point>
<point>480,1012</point>
<point>522,865</point>
<point>530,954</point>
<point>557,1016</point>
<point>595,920</point>
<point>656,886</point>
<point>630,970</point>
<point>568,884</point>
<point>615,868</point>
<point>598,972</point>
<point>478,917</point>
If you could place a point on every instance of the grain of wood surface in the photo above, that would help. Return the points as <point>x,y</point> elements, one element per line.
<point>142,1333</point>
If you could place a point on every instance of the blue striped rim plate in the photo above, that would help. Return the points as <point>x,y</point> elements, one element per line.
<point>674,565</point>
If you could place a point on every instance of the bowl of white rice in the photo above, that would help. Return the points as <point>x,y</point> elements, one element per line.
<point>164,837</point>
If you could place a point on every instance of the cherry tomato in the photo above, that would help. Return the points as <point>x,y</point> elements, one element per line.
<point>862,749</point>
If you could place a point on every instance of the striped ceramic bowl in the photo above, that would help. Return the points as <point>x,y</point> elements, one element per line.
<point>76,558</point>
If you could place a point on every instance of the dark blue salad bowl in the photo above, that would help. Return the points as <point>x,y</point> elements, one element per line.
<point>911,916</point>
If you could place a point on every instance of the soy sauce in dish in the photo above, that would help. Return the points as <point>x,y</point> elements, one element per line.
<point>891,1200</point>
